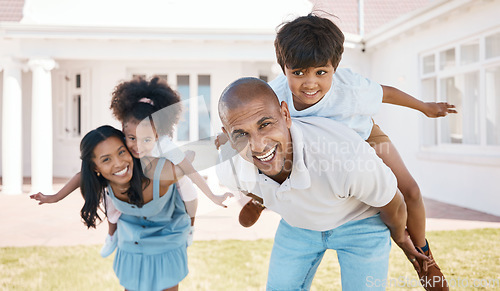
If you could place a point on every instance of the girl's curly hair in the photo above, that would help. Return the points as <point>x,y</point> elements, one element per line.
<point>139,98</point>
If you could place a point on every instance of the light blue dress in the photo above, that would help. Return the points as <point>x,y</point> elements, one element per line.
<point>152,240</point>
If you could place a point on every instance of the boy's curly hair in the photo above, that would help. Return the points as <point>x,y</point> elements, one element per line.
<point>308,41</point>
<point>139,98</point>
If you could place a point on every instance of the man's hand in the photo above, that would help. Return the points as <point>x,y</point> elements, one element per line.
<point>220,140</point>
<point>438,109</point>
<point>410,251</point>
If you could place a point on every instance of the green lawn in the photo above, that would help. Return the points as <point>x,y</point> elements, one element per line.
<point>469,257</point>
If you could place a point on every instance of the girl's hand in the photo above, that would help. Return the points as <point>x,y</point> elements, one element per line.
<point>220,140</point>
<point>42,198</point>
<point>218,199</point>
<point>438,109</point>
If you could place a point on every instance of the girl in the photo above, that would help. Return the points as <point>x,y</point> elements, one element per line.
<point>153,226</point>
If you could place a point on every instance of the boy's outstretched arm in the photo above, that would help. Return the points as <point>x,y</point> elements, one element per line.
<point>394,215</point>
<point>430,109</point>
<point>71,186</point>
<point>192,174</point>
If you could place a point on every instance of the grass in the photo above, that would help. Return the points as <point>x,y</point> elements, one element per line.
<point>467,257</point>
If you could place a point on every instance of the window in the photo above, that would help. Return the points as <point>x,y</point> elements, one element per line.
<point>468,76</point>
<point>70,95</point>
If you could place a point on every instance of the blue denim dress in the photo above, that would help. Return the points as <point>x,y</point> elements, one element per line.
<point>152,240</point>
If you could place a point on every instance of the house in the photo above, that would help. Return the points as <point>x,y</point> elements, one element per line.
<point>60,61</point>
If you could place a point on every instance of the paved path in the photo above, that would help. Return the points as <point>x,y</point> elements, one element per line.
<point>25,223</point>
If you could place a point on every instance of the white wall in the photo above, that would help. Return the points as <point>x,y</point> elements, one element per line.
<point>395,63</point>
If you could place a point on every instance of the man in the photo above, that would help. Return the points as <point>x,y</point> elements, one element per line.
<point>328,185</point>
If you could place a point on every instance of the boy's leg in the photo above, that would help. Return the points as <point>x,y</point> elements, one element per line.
<point>409,188</point>
<point>295,258</point>
<point>363,248</point>
<point>414,202</point>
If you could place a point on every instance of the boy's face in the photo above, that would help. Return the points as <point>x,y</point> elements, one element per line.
<point>309,85</point>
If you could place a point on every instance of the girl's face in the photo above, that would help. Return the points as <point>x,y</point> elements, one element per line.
<point>140,137</point>
<point>113,161</point>
<point>309,85</point>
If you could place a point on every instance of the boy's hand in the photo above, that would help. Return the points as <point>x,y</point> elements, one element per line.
<point>218,199</point>
<point>438,109</point>
<point>42,198</point>
<point>220,140</point>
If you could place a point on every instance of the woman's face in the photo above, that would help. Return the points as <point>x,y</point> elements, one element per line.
<point>113,161</point>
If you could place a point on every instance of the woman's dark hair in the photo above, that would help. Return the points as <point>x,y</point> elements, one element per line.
<point>139,98</point>
<point>92,186</point>
<point>308,41</point>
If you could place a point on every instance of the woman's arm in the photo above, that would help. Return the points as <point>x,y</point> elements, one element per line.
<point>70,186</point>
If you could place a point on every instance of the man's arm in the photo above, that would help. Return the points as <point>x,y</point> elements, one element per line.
<point>430,109</point>
<point>394,216</point>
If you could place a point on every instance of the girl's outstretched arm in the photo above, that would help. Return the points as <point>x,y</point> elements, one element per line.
<point>71,186</point>
<point>192,174</point>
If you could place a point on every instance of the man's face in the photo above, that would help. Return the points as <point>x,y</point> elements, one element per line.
<point>309,85</point>
<point>259,131</point>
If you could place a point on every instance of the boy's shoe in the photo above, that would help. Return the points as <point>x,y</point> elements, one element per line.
<point>431,277</point>
<point>250,213</point>
<point>109,245</point>
<point>190,236</point>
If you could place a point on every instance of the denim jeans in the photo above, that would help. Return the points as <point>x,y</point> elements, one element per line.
<point>362,249</point>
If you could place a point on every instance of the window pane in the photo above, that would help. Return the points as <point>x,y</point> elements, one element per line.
<point>447,59</point>
<point>183,89</point>
<point>429,124</point>
<point>493,45</point>
<point>204,106</point>
<point>462,91</point>
<point>493,106</point>
<point>429,64</point>
<point>469,53</point>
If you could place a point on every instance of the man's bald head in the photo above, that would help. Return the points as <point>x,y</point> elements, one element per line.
<point>242,92</point>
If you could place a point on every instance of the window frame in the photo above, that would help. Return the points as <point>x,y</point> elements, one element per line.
<point>481,153</point>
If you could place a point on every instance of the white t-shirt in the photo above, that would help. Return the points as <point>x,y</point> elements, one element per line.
<point>351,100</point>
<point>336,177</point>
<point>166,148</point>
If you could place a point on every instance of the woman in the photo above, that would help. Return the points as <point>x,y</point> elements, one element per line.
<point>154,224</point>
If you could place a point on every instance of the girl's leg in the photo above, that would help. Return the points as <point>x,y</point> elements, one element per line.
<point>175,288</point>
<point>409,188</point>
<point>111,228</point>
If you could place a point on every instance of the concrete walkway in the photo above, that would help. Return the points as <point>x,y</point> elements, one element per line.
<point>25,223</point>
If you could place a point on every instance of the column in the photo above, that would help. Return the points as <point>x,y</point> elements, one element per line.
<point>41,126</point>
<point>12,160</point>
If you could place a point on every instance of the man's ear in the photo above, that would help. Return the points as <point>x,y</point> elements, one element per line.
<point>228,138</point>
<point>286,113</point>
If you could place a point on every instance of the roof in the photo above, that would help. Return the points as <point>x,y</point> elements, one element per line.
<point>11,10</point>
<point>377,12</point>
